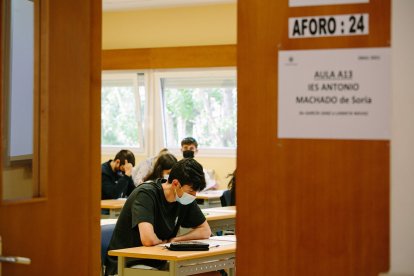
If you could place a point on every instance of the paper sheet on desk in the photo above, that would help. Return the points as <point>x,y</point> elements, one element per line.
<point>108,221</point>
<point>209,212</point>
<point>231,238</point>
<point>211,192</point>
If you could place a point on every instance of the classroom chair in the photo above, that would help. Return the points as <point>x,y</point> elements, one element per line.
<point>226,198</point>
<point>106,235</point>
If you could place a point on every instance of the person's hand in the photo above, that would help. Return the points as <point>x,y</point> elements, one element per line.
<point>173,239</point>
<point>128,168</point>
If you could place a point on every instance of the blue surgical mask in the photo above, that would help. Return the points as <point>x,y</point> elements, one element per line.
<point>185,199</point>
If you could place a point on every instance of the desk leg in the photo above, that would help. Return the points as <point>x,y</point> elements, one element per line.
<point>121,265</point>
<point>114,213</point>
<point>204,204</point>
<point>173,268</point>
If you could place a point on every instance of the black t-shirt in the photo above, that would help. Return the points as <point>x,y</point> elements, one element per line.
<point>147,203</point>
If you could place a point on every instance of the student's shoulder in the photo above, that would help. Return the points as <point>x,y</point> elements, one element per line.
<point>149,186</point>
<point>106,168</point>
<point>147,189</point>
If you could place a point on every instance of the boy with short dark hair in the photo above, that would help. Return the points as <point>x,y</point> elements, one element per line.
<point>189,148</point>
<point>116,176</point>
<point>155,211</point>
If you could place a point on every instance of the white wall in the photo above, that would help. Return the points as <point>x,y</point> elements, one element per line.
<point>402,144</point>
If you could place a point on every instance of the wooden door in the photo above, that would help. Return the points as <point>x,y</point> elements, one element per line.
<point>305,206</point>
<point>59,229</point>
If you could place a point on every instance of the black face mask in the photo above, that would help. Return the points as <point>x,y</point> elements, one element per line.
<point>188,154</point>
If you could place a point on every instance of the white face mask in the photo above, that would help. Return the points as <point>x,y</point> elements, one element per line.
<point>185,199</point>
<point>166,176</point>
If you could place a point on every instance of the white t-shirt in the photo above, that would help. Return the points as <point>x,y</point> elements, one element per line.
<point>143,168</point>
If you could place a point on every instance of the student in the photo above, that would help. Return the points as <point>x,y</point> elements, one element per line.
<point>189,148</point>
<point>116,176</point>
<point>145,167</point>
<point>229,197</point>
<point>162,167</point>
<point>155,210</point>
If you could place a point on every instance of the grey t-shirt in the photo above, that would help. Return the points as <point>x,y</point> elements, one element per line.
<point>147,203</point>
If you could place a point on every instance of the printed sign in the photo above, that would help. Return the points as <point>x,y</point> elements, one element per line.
<point>329,25</point>
<point>302,3</point>
<point>340,93</point>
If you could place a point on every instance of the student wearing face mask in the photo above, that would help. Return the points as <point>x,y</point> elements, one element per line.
<point>116,176</point>
<point>189,148</point>
<point>162,167</point>
<point>155,211</point>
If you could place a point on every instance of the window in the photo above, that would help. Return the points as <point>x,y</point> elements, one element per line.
<point>147,111</point>
<point>124,102</point>
<point>201,104</point>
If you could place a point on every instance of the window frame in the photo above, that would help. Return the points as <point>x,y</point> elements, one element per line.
<point>159,132</point>
<point>132,74</point>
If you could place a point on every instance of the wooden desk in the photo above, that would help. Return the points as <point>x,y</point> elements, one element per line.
<point>205,199</point>
<point>227,209</point>
<point>221,218</point>
<point>180,262</point>
<point>209,199</point>
<point>113,206</point>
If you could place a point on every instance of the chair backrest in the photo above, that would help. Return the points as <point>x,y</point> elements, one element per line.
<point>106,235</point>
<point>226,198</point>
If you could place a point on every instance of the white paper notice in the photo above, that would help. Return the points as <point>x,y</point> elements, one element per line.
<point>301,3</point>
<point>335,94</point>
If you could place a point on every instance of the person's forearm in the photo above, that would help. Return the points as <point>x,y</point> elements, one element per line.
<point>195,234</point>
<point>151,240</point>
<point>147,234</point>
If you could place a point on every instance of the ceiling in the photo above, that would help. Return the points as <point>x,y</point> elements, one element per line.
<point>109,5</point>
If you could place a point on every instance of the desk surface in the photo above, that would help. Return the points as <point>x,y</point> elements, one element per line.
<point>161,253</point>
<point>220,213</point>
<point>212,194</point>
<point>227,209</point>
<point>112,203</point>
<point>211,214</point>
<point>119,203</point>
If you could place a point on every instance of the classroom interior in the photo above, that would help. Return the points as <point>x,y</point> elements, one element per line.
<point>173,27</point>
<point>383,245</point>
